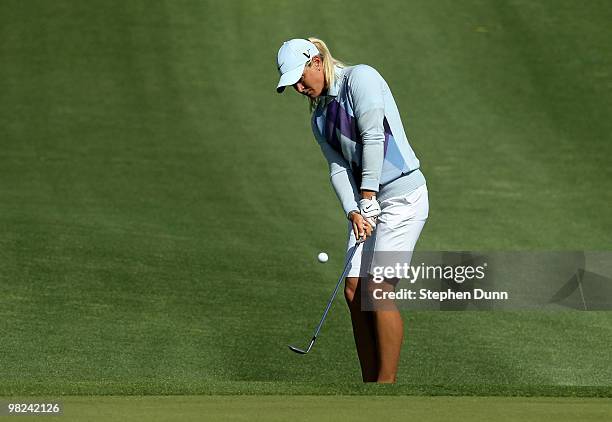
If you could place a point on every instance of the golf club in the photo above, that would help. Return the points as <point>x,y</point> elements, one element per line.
<point>329,303</point>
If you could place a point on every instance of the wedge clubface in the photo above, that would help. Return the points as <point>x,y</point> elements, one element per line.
<point>329,302</point>
<point>303,352</point>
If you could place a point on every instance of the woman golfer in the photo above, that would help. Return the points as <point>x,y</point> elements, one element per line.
<point>376,176</point>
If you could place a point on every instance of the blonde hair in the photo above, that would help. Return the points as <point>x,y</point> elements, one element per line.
<point>329,63</point>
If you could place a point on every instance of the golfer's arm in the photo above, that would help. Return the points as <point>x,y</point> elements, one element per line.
<point>370,124</point>
<point>341,178</point>
<point>367,92</point>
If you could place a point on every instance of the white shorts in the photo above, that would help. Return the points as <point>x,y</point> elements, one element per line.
<point>397,230</point>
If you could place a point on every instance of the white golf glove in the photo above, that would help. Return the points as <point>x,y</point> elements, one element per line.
<point>370,210</point>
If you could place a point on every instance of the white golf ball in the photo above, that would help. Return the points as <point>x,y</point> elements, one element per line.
<point>322,257</point>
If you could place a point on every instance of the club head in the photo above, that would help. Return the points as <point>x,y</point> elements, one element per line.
<point>300,351</point>
<point>297,350</point>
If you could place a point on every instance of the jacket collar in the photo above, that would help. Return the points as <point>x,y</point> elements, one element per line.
<point>333,90</point>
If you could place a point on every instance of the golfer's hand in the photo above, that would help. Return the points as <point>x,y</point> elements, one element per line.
<point>369,208</point>
<point>361,227</point>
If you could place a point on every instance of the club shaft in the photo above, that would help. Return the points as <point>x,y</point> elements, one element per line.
<point>335,292</point>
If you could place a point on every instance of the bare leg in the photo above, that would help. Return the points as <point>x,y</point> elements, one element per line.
<point>390,333</point>
<point>389,336</point>
<point>363,330</point>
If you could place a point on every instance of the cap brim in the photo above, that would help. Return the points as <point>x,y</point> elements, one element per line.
<point>289,78</point>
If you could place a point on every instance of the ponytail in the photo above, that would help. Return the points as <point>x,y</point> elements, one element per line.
<point>329,63</point>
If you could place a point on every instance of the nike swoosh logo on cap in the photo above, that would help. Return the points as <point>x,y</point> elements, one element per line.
<point>307,55</point>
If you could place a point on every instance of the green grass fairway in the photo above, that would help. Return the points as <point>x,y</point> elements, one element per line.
<point>156,232</point>
<point>317,408</point>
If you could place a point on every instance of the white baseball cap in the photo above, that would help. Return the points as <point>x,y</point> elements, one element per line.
<point>292,56</point>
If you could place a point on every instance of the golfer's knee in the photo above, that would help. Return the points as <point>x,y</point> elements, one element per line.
<point>350,288</point>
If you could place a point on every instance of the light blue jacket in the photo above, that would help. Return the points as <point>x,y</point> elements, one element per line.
<point>360,132</point>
